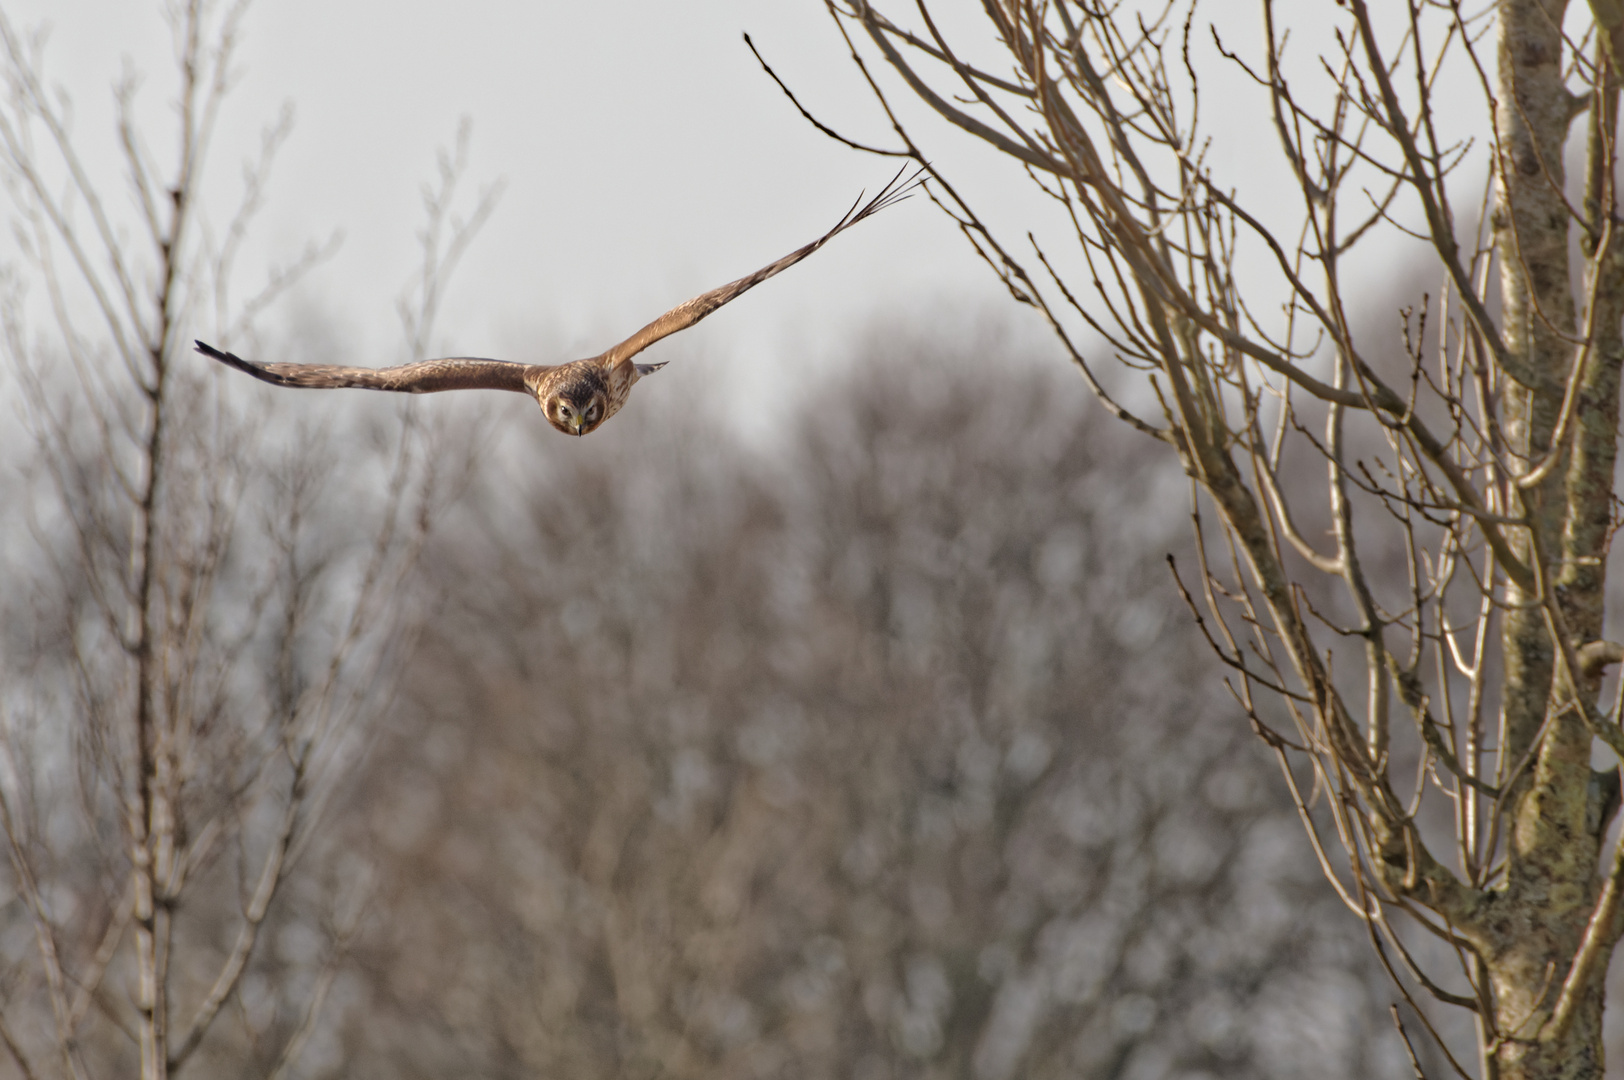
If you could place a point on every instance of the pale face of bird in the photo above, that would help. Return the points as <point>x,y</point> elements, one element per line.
<point>576,416</point>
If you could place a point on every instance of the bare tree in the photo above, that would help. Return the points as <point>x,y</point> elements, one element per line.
<point>203,618</point>
<point>1432,619</point>
<point>870,757</point>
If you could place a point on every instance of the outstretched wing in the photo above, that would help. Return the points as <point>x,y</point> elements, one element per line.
<point>685,315</point>
<point>423,377</point>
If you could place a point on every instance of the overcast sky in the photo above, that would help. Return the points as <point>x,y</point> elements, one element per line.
<point>645,155</point>
<point>646,158</point>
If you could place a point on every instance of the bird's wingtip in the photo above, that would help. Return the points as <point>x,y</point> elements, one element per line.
<point>231,360</point>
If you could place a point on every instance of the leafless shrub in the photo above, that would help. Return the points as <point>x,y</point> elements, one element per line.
<point>200,619</point>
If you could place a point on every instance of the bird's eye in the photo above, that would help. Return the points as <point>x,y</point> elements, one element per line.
<point>592,414</point>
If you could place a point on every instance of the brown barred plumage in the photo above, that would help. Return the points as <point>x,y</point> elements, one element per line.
<point>576,397</point>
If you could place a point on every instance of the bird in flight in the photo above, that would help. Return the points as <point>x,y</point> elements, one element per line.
<point>576,397</point>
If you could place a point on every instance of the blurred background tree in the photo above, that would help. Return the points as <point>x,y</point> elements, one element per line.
<point>883,754</point>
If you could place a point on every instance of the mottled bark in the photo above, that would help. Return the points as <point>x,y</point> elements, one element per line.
<point>1550,889</point>
<point>1530,222</point>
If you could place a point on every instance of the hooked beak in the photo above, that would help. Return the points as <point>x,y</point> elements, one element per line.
<point>575,424</point>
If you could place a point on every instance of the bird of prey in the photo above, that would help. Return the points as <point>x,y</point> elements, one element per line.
<point>576,397</point>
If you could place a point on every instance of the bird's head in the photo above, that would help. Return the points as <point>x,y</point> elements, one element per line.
<point>576,409</point>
